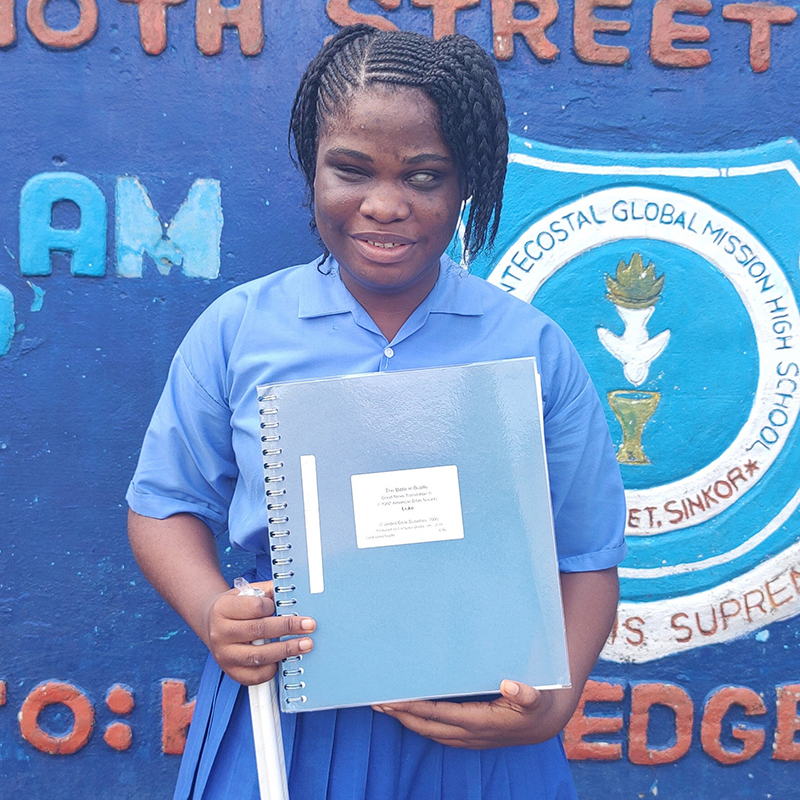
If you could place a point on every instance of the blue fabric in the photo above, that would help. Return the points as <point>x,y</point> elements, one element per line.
<point>357,754</point>
<point>201,455</point>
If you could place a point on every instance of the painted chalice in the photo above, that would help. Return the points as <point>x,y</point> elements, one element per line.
<point>634,291</point>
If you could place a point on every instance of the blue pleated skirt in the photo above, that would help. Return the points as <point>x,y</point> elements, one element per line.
<point>354,754</point>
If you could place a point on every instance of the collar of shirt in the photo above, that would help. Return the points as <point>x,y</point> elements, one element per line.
<point>324,294</point>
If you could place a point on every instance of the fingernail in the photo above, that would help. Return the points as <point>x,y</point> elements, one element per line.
<point>307,624</point>
<point>305,644</point>
<point>510,687</point>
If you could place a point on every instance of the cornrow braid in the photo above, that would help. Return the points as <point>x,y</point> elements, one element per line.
<point>455,73</point>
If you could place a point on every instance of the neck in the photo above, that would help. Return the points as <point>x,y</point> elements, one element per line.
<point>390,310</point>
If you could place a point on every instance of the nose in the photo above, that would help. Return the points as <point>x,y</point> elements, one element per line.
<point>385,202</point>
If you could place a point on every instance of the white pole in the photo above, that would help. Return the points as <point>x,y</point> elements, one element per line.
<point>266,717</point>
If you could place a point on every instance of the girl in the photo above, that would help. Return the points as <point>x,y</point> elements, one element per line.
<point>393,132</point>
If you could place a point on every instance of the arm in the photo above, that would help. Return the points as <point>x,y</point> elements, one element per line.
<point>523,715</point>
<point>178,556</point>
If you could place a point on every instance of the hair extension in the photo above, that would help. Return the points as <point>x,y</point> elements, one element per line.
<point>455,73</point>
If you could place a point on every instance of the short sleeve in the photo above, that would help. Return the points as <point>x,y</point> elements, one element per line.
<point>187,463</point>
<point>585,484</point>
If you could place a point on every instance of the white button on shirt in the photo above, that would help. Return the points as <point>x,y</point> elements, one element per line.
<point>388,352</point>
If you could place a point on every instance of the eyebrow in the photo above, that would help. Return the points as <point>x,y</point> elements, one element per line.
<point>421,158</point>
<point>347,153</point>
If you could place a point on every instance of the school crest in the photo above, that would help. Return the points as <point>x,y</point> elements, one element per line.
<point>677,278</point>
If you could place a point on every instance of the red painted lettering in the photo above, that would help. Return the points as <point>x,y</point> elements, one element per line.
<point>736,475</point>
<point>63,40</point>
<point>671,507</point>
<point>678,627</point>
<point>54,693</point>
<point>703,631</point>
<point>665,32</point>
<point>643,697</point>
<point>695,504</point>
<point>582,725</point>
<point>748,606</point>
<point>339,11</point>
<point>638,633</point>
<point>586,25</point>
<point>785,747</point>
<point>153,23</point>
<point>118,736</point>
<point>760,17</point>
<point>444,14</point>
<point>8,30</point>
<point>751,737</point>
<point>505,25</point>
<point>735,606</point>
<point>212,17</point>
<point>723,489</point>
<point>176,714</point>
<point>773,593</point>
<point>120,699</point>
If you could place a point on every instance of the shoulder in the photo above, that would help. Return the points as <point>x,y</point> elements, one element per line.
<point>525,330</point>
<point>230,309</point>
<point>236,319</point>
<point>507,310</point>
<point>265,301</point>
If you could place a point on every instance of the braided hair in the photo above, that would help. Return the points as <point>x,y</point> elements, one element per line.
<point>454,72</point>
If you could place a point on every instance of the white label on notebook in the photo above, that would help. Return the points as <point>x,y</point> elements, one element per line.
<point>308,476</point>
<point>407,506</point>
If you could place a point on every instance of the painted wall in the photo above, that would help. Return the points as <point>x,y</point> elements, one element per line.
<point>145,172</point>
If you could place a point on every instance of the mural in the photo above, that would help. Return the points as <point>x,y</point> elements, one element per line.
<point>703,410</point>
<point>650,210</point>
<point>711,533</point>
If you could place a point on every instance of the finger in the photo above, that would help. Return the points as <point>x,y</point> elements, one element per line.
<point>424,725</point>
<point>261,655</point>
<point>232,605</point>
<point>250,676</point>
<point>461,714</point>
<point>520,694</point>
<point>247,631</point>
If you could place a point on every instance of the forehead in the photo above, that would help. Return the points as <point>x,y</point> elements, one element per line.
<point>383,115</point>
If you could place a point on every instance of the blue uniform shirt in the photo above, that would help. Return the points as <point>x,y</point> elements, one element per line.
<point>202,455</point>
<point>202,452</point>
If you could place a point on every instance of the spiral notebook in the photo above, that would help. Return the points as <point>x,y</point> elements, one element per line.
<point>409,514</point>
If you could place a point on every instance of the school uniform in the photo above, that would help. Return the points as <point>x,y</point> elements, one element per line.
<point>202,455</point>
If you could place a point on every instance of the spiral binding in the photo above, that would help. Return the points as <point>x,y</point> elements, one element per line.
<point>279,534</point>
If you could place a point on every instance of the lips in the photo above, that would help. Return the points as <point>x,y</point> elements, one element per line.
<point>383,247</point>
<point>382,238</point>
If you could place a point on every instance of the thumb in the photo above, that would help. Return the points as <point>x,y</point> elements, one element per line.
<point>520,693</point>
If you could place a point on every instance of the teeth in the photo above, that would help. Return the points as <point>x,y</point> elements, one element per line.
<point>384,245</point>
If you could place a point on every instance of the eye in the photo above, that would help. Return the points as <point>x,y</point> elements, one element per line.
<point>349,173</point>
<point>422,179</point>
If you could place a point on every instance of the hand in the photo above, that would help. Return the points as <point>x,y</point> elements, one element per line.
<point>236,621</point>
<point>522,715</point>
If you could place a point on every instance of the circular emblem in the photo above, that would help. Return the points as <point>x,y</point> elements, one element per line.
<point>687,327</point>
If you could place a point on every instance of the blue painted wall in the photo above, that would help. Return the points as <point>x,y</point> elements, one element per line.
<point>84,350</point>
